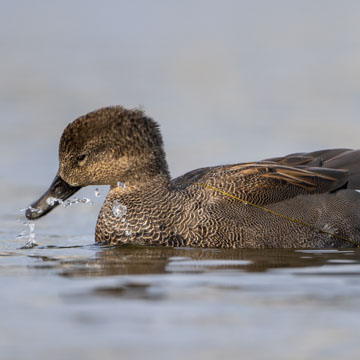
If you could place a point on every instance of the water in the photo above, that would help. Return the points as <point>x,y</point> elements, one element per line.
<point>228,82</point>
<point>69,202</point>
<point>79,299</point>
<point>119,210</point>
<point>29,234</point>
<point>121,185</point>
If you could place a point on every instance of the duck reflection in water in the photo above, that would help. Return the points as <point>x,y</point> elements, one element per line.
<point>130,260</point>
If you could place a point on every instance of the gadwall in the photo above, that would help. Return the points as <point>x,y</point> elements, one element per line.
<point>303,200</point>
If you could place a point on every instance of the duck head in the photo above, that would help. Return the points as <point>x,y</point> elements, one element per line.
<point>101,148</point>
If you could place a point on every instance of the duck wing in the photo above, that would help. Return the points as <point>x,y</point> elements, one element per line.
<point>340,159</point>
<point>278,179</point>
<point>315,158</point>
<point>266,182</point>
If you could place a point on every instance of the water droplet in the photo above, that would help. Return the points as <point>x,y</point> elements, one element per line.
<point>31,227</point>
<point>97,192</point>
<point>67,204</point>
<point>128,233</point>
<point>76,200</point>
<point>121,185</point>
<point>30,234</point>
<point>52,201</point>
<point>86,200</point>
<point>22,234</point>
<point>118,209</point>
<point>33,210</point>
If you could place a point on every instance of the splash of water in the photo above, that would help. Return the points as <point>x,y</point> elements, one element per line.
<point>76,200</point>
<point>121,185</point>
<point>119,210</point>
<point>33,210</point>
<point>53,201</point>
<point>28,233</point>
<point>97,192</point>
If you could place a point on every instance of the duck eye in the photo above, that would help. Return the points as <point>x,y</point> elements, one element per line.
<point>81,159</point>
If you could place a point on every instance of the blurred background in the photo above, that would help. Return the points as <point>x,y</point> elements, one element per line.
<point>228,81</point>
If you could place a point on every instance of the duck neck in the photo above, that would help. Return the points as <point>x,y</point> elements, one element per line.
<point>144,173</point>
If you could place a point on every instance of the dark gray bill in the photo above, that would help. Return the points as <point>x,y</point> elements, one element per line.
<point>58,191</point>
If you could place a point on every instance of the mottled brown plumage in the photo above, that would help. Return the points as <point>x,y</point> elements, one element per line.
<point>115,144</point>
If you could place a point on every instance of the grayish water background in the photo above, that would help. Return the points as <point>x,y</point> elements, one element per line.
<point>227,81</point>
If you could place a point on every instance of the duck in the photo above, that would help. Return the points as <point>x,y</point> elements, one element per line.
<point>301,200</point>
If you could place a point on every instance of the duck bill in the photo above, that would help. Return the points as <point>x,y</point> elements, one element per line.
<point>58,191</point>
